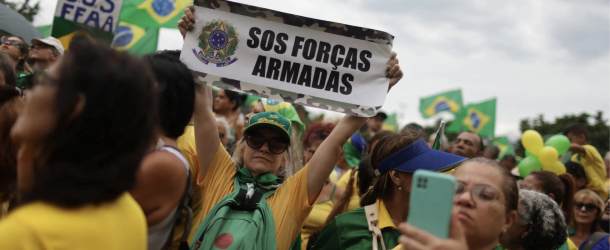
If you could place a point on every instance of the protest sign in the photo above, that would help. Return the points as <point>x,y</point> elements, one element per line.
<point>96,19</point>
<point>288,58</point>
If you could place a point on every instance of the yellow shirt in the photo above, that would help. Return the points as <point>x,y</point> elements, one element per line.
<point>595,169</point>
<point>186,145</point>
<point>354,201</point>
<point>119,224</point>
<point>289,204</point>
<point>317,218</point>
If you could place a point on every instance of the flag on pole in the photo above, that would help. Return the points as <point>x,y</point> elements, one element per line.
<point>390,123</point>
<point>479,118</point>
<point>154,13</point>
<point>504,145</point>
<point>450,101</point>
<point>135,39</point>
<point>439,136</point>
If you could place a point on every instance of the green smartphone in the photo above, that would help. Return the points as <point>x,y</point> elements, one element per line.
<point>431,202</point>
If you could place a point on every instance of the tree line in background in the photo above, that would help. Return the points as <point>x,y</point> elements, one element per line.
<point>25,9</point>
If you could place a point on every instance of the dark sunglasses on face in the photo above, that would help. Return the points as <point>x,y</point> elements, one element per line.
<point>257,141</point>
<point>11,42</point>
<point>588,206</point>
<point>479,192</point>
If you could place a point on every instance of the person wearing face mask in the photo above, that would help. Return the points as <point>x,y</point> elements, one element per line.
<point>484,208</point>
<point>588,208</point>
<point>395,158</point>
<point>83,136</point>
<point>540,224</point>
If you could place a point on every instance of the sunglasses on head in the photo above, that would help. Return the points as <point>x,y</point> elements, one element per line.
<point>11,42</point>
<point>588,206</point>
<point>256,141</point>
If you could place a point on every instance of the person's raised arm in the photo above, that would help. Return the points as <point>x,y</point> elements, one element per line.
<point>326,156</point>
<point>206,130</point>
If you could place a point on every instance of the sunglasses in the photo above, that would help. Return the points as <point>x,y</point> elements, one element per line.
<point>257,141</point>
<point>479,192</point>
<point>11,42</point>
<point>588,206</point>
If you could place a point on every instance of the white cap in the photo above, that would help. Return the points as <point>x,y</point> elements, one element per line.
<point>52,41</point>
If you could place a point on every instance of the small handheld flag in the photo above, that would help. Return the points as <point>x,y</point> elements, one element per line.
<point>439,135</point>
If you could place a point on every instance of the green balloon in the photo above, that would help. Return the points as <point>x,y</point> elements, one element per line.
<point>559,142</point>
<point>529,164</point>
<point>528,153</point>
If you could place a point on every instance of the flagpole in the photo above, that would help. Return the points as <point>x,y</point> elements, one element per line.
<point>439,135</point>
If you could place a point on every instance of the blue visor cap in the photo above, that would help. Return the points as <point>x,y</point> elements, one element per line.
<point>418,156</point>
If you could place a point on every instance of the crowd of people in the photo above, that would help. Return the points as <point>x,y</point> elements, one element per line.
<point>103,150</point>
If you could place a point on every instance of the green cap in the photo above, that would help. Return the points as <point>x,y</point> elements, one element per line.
<point>271,120</point>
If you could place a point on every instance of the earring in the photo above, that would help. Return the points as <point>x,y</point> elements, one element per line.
<point>399,188</point>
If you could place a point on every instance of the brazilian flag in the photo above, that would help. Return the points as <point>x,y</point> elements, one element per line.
<point>64,30</point>
<point>135,39</point>
<point>504,145</point>
<point>390,123</point>
<point>479,118</point>
<point>153,13</point>
<point>450,101</point>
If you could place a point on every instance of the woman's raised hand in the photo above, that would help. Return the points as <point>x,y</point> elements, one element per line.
<point>393,71</point>
<point>187,23</point>
<point>414,238</point>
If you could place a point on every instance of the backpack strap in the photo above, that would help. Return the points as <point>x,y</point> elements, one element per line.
<point>184,204</point>
<point>593,240</point>
<point>372,218</point>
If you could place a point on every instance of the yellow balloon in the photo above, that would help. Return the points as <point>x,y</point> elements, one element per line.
<point>548,156</point>
<point>532,141</point>
<point>557,168</point>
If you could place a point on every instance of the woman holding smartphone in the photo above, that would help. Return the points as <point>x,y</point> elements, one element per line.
<point>395,159</point>
<point>484,207</point>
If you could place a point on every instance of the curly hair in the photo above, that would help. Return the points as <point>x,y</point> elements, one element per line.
<point>548,226</point>
<point>317,131</point>
<point>94,157</point>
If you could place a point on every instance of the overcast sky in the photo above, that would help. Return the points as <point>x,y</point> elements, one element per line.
<point>536,56</point>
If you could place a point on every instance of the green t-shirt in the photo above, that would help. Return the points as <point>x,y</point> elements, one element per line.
<point>351,231</point>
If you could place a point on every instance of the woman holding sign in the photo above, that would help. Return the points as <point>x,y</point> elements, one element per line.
<point>254,179</point>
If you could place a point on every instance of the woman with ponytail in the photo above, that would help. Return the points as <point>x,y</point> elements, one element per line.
<point>560,188</point>
<point>394,160</point>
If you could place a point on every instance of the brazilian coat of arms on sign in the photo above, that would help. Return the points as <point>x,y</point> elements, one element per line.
<point>217,42</point>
